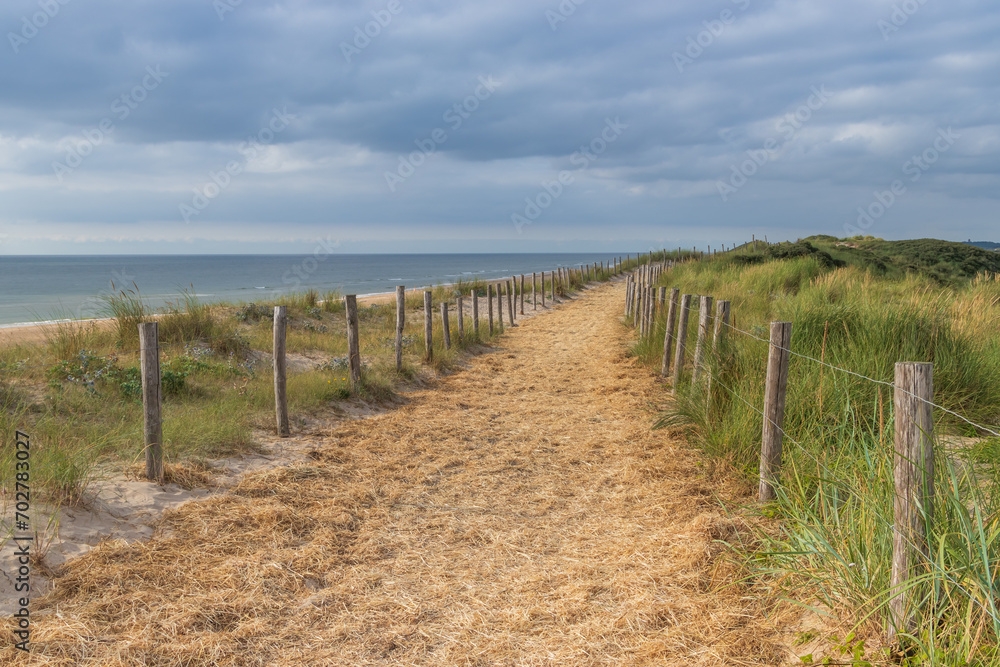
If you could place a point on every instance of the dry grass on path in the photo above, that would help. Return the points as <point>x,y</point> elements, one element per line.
<point>521,512</point>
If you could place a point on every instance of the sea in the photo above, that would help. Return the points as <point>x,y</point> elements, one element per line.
<point>39,288</point>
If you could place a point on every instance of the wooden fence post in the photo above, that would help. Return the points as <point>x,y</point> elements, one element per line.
<point>913,473</point>
<point>152,425</point>
<point>628,293</point>
<point>489,305</point>
<point>511,298</point>
<point>552,275</point>
<point>500,306</point>
<point>774,408</point>
<point>428,326</point>
<point>534,292</point>
<point>353,341</point>
<point>682,330</point>
<point>461,318</point>
<point>522,294</point>
<point>475,313</point>
<point>543,289</point>
<point>400,324</point>
<point>718,339</point>
<point>444,325</point>
<point>704,321</point>
<point>668,337</point>
<point>637,304</point>
<point>280,368</point>
<point>651,311</point>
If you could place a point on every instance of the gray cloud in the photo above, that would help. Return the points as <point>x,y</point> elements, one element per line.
<point>699,85</point>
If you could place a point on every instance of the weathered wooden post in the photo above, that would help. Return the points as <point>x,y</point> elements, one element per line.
<point>628,294</point>
<point>511,297</point>
<point>475,313</point>
<point>552,275</point>
<point>353,341</point>
<point>647,307</point>
<point>400,324</point>
<point>280,368</point>
<point>637,298</point>
<point>444,325</point>
<point>522,294</point>
<point>704,321</point>
<point>152,425</point>
<point>489,305</point>
<point>682,330</point>
<point>428,326</point>
<point>500,306</point>
<point>534,287</point>
<point>543,289</point>
<point>668,337</point>
<point>461,318</point>
<point>913,475</point>
<point>718,339</point>
<point>640,312</point>
<point>774,408</point>
<point>651,311</point>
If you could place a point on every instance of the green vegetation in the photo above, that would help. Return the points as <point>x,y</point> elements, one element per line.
<point>863,309</point>
<point>79,393</point>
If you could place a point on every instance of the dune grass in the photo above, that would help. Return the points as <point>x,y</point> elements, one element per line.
<point>78,394</point>
<point>833,548</point>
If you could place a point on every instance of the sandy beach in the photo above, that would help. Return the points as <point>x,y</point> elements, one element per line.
<point>36,334</point>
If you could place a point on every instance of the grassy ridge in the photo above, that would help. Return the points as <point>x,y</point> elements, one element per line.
<point>836,499</point>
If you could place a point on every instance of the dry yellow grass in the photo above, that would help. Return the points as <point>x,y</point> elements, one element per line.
<point>520,512</point>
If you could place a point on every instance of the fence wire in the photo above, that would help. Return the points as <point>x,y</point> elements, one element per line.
<point>991,613</point>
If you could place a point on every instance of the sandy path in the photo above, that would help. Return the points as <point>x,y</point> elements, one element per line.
<point>520,512</point>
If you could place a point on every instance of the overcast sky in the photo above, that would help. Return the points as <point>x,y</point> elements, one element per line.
<point>397,125</point>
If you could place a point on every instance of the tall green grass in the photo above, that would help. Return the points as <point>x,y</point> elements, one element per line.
<point>78,394</point>
<point>126,307</point>
<point>835,500</point>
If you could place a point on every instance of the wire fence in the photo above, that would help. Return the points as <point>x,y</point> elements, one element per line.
<point>642,308</point>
